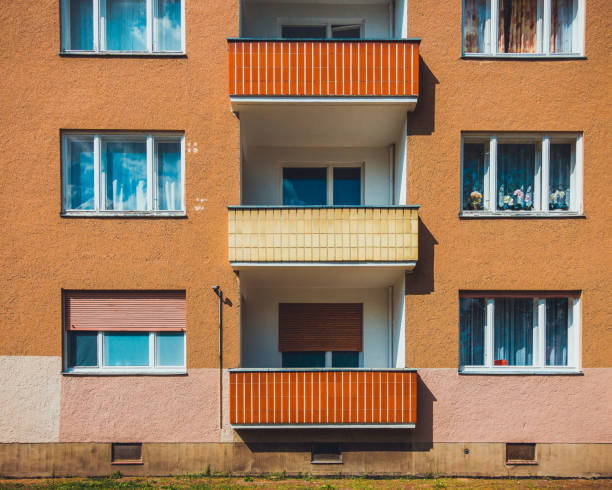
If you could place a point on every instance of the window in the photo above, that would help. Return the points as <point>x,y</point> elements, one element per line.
<point>123,26</point>
<point>318,186</point>
<point>519,332</point>
<point>523,27</point>
<point>124,332</point>
<point>321,30</point>
<point>321,359</point>
<point>521,174</point>
<point>123,174</point>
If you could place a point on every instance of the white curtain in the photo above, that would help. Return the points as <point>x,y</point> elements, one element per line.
<point>514,331</point>
<point>562,19</point>
<point>556,331</point>
<point>472,314</point>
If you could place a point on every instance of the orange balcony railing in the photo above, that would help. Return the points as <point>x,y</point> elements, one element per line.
<point>323,397</point>
<point>324,68</point>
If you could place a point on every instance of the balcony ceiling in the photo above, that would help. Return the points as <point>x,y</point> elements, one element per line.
<point>321,126</point>
<point>319,277</point>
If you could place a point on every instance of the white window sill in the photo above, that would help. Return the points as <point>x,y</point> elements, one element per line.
<point>525,56</point>
<point>165,54</point>
<point>520,214</point>
<point>123,214</point>
<point>526,370</point>
<point>125,371</point>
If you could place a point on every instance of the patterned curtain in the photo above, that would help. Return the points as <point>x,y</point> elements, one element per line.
<point>562,18</point>
<point>514,331</point>
<point>517,26</point>
<point>560,172</point>
<point>475,17</point>
<point>515,176</point>
<point>556,331</point>
<point>472,312</point>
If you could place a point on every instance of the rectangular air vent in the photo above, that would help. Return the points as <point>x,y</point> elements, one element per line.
<point>520,453</point>
<point>326,453</point>
<point>126,453</point>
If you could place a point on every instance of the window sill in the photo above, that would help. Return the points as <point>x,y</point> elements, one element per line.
<point>123,214</point>
<point>521,370</point>
<point>519,214</point>
<point>124,372</point>
<point>120,54</point>
<point>518,462</point>
<point>523,56</point>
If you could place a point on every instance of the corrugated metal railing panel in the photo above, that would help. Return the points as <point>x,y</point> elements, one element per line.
<point>323,234</point>
<point>323,397</point>
<point>324,68</point>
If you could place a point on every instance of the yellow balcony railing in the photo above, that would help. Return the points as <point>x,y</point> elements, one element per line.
<point>323,234</point>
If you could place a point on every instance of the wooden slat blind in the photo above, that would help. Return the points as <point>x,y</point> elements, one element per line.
<point>320,326</point>
<point>125,310</point>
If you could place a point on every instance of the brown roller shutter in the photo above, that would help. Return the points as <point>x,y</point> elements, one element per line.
<point>320,327</point>
<point>125,310</point>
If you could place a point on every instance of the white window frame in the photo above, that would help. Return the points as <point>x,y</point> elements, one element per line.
<point>329,179</point>
<point>541,174</point>
<point>539,341</point>
<point>152,140</point>
<point>99,31</point>
<point>543,30</point>
<point>319,21</point>
<point>100,369</point>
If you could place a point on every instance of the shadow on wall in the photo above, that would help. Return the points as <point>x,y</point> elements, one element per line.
<point>422,120</point>
<point>421,281</point>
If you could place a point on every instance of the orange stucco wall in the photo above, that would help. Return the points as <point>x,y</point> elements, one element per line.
<point>42,93</point>
<point>483,95</point>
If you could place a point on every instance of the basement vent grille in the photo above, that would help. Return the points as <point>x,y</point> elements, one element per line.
<point>126,453</point>
<point>520,453</point>
<point>326,453</point>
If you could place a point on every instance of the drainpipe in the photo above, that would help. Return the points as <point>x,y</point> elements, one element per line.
<point>219,293</point>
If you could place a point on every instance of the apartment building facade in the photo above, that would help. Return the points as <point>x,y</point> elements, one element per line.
<point>313,237</point>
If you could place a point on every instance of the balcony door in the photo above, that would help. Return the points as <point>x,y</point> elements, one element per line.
<point>319,335</point>
<point>325,30</point>
<point>340,185</point>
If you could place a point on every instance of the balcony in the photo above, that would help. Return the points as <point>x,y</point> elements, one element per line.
<point>323,398</point>
<point>323,71</point>
<point>373,235</point>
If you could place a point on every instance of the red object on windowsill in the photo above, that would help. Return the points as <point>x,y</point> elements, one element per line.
<point>500,362</point>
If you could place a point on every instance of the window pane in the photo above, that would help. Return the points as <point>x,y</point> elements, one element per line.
<point>556,331</point>
<point>168,18</point>
<point>345,359</point>
<point>169,188</point>
<point>472,314</point>
<point>170,349</point>
<point>125,164</point>
<point>475,18</point>
<point>126,25</point>
<point>473,175</point>
<point>559,176</point>
<point>79,185</point>
<point>517,26</point>
<point>515,176</point>
<point>303,359</point>
<point>304,186</point>
<point>82,349</point>
<point>561,26</point>
<point>126,349</point>
<point>79,23</point>
<point>352,31</point>
<point>304,32</point>
<point>347,186</point>
<point>513,332</point>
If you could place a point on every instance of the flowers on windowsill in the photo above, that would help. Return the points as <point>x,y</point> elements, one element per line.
<point>559,199</point>
<point>516,200</point>
<point>476,200</point>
